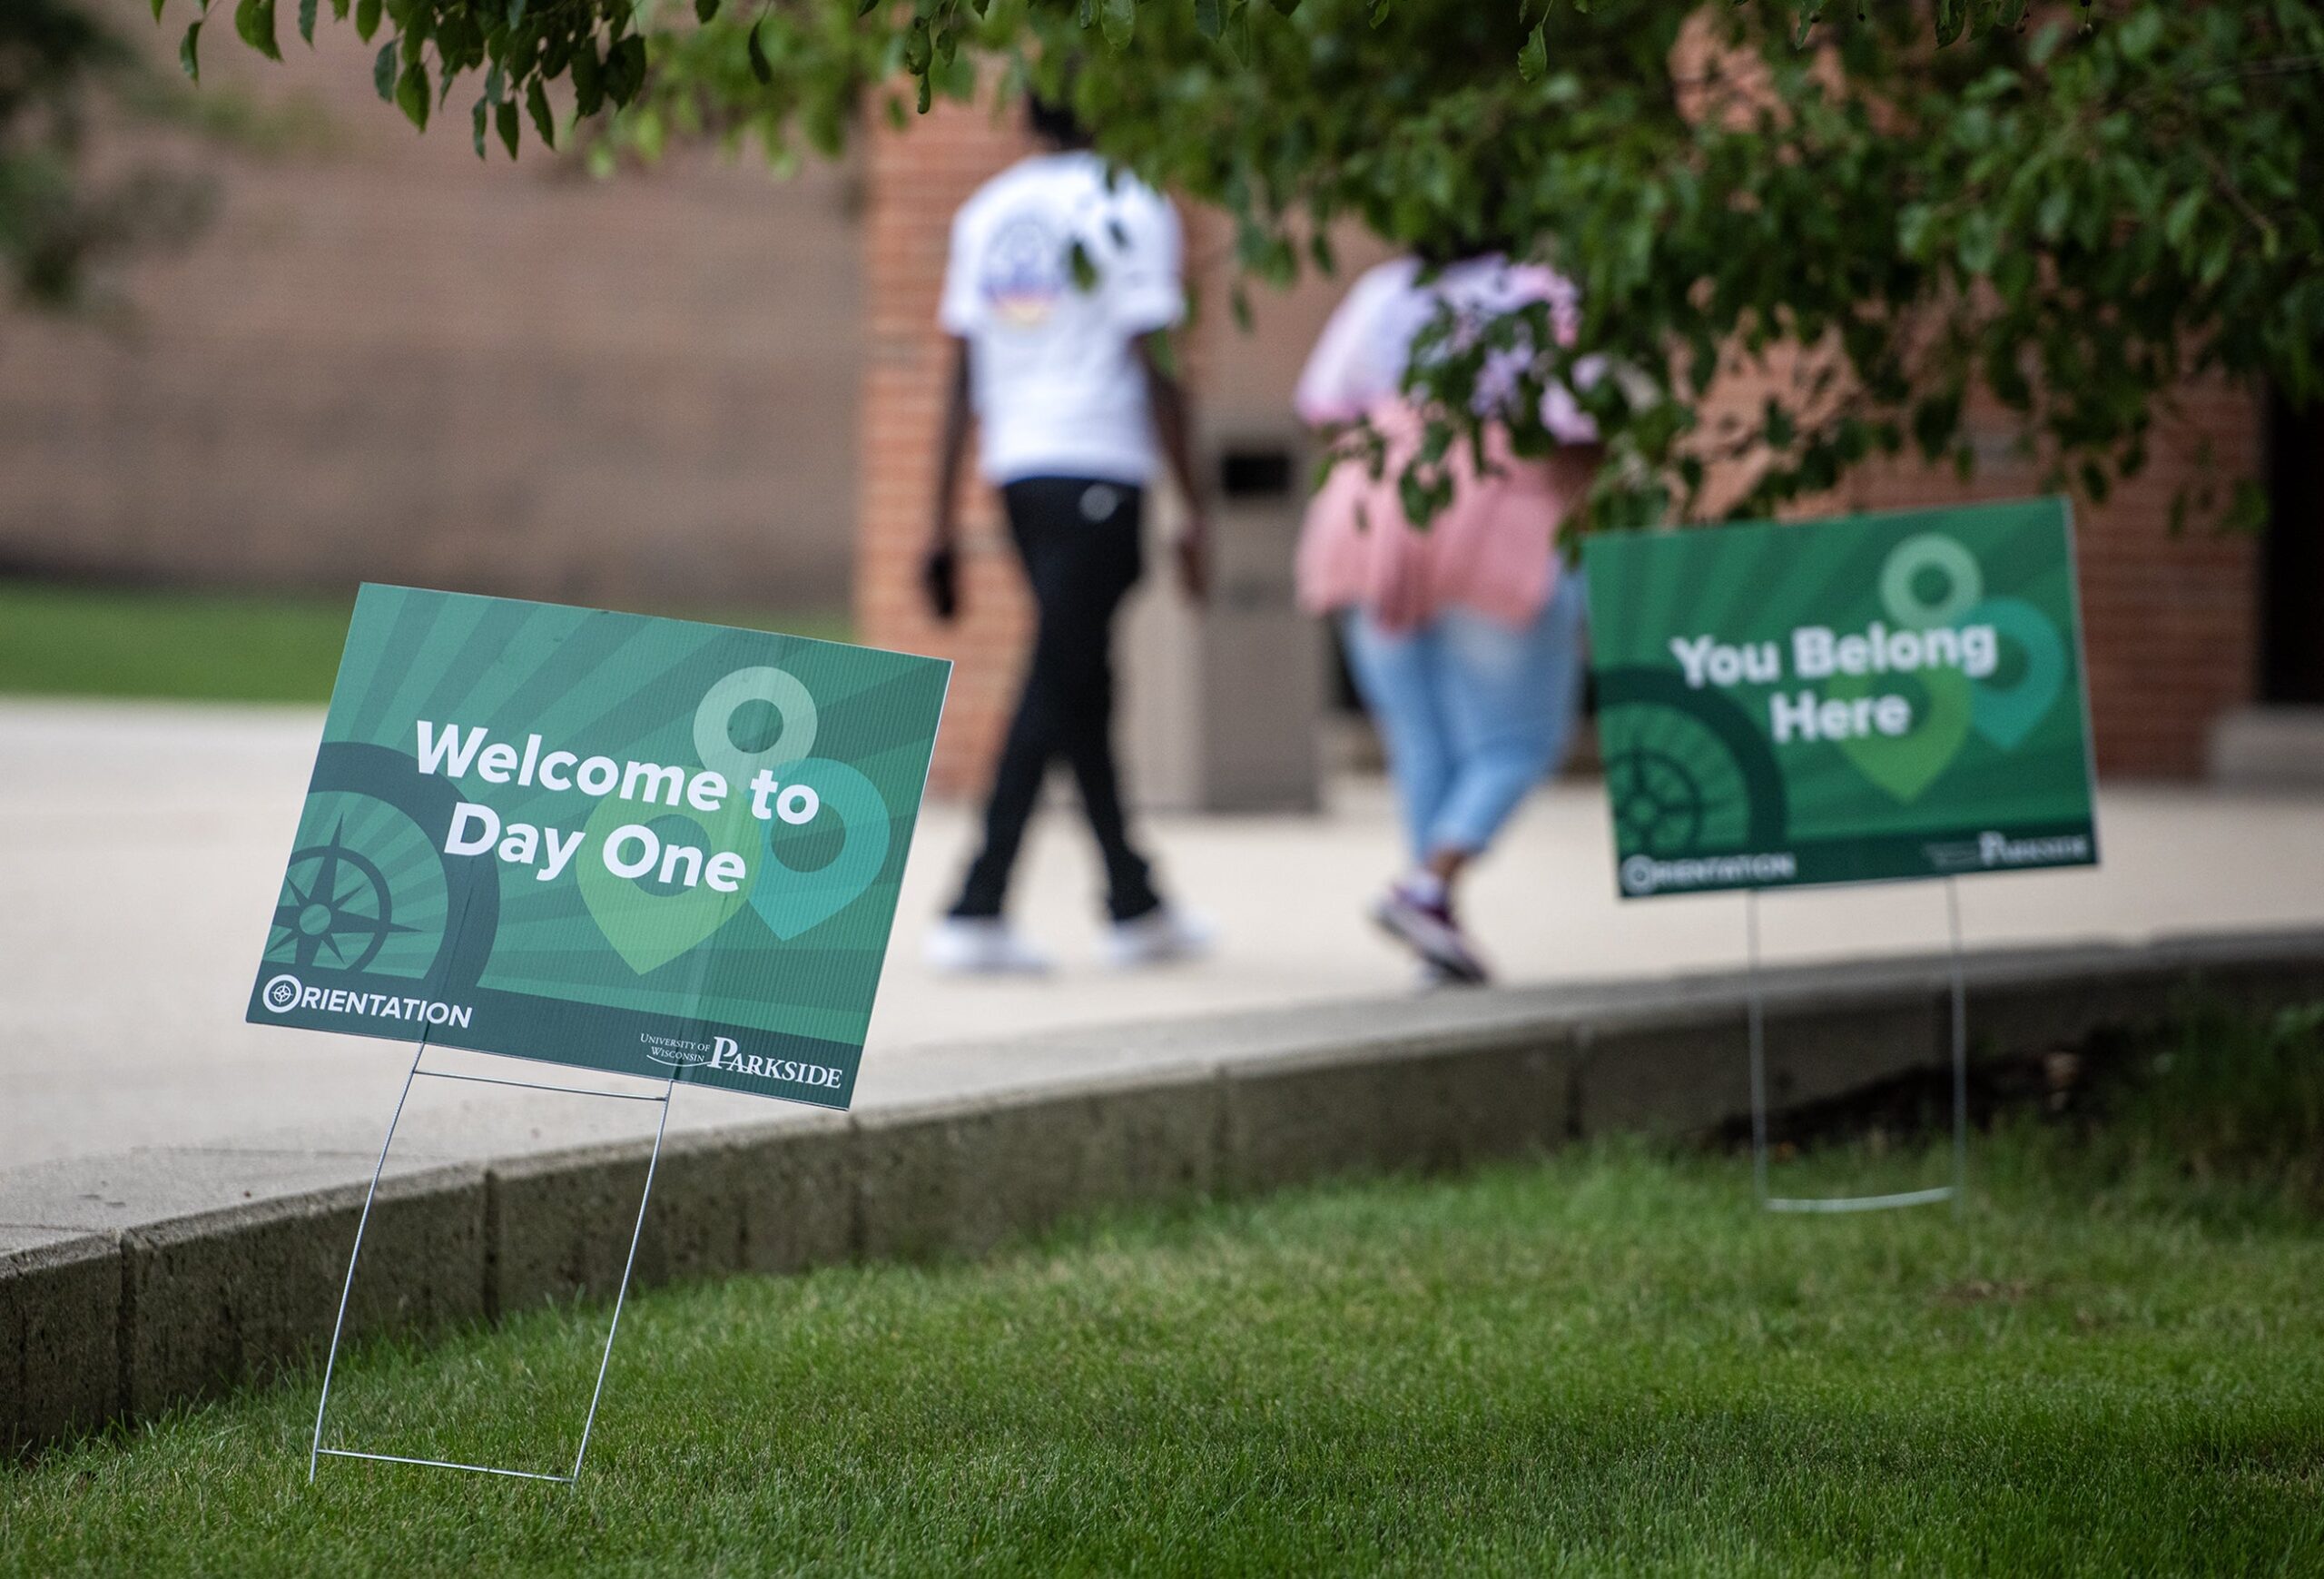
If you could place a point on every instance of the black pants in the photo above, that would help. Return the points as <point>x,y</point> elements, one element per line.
<point>1082,551</point>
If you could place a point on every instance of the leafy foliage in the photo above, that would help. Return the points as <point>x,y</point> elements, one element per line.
<point>1805,240</point>
<point>57,63</point>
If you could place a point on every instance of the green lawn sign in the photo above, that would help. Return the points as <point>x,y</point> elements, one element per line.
<point>1875,698</point>
<point>640,845</point>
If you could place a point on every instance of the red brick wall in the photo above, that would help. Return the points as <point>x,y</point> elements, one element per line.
<point>916,179</point>
<point>386,359</point>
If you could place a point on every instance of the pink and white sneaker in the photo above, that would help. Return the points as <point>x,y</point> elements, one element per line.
<point>1424,925</point>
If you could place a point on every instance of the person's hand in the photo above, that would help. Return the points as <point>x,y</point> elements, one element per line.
<point>940,578</point>
<point>1193,560</point>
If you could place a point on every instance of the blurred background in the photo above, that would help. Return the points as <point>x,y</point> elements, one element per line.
<point>272,342</point>
<point>334,349</point>
<point>379,357</point>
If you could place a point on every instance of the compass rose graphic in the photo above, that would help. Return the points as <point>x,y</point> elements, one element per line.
<point>1687,770</point>
<point>334,900</point>
<point>1660,804</point>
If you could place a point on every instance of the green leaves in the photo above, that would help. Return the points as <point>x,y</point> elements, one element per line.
<point>1117,19</point>
<point>2139,35</point>
<point>588,81</point>
<point>536,104</point>
<point>1978,247</point>
<point>189,54</point>
<point>2179,224</point>
<point>624,69</point>
<point>254,25</point>
<point>307,20</point>
<point>411,90</point>
<point>1533,58</point>
<point>503,110</point>
<point>1236,34</point>
<point>2060,226</point>
<point>2247,509</point>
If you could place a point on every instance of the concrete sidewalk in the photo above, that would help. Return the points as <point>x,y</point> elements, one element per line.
<point>141,847</point>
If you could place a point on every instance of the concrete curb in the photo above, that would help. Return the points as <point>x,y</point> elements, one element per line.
<point>117,1302</point>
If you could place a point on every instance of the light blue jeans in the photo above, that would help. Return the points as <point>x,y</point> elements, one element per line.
<point>1472,712</point>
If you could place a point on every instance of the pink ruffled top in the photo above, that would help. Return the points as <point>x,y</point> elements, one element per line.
<point>1492,550</point>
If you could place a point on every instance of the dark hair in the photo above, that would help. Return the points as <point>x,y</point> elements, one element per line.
<point>1443,250</point>
<point>1054,121</point>
<point>1481,233</point>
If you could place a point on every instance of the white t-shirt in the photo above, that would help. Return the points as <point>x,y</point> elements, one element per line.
<point>1057,382</point>
<point>1362,356</point>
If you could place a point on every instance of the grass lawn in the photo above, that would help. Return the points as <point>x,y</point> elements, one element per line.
<point>1602,1361</point>
<point>220,646</point>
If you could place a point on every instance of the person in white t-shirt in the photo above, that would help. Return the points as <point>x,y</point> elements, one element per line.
<point>1064,273</point>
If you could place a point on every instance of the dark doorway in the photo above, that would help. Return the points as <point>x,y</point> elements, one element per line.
<point>2292,561</point>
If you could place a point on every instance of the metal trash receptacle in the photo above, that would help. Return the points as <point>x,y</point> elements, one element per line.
<point>1222,705</point>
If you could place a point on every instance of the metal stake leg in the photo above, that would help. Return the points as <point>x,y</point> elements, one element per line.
<point>623,1292</point>
<point>314,1453</point>
<point>1758,1049</point>
<point>1756,1002</point>
<point>1960,1051</point>
<point>319,1452</point>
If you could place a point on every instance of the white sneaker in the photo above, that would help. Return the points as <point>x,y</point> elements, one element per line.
<point>1431,977</point>
<point>1159,936</point>
<point>981,946</point>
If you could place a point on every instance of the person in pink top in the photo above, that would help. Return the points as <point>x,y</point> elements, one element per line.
<point>1465,636</point>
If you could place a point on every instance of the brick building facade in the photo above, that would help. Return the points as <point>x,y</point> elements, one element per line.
<point>694,387</point>
<point>2171,621</point>
<point>384,359</point>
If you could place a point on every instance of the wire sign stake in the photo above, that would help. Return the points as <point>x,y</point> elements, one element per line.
<point>318,1452</point>
<point>1957,1192</point>
<point>1895,697</point>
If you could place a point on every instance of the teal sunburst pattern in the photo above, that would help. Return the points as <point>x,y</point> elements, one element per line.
<point>532,829</point>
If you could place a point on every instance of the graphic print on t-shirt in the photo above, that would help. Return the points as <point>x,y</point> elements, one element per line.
<point>1023,271</point>
<point>1057,267</point>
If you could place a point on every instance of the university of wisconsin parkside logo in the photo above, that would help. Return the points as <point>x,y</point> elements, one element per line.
<point>724,1054</point>
<point>678,1052</point>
